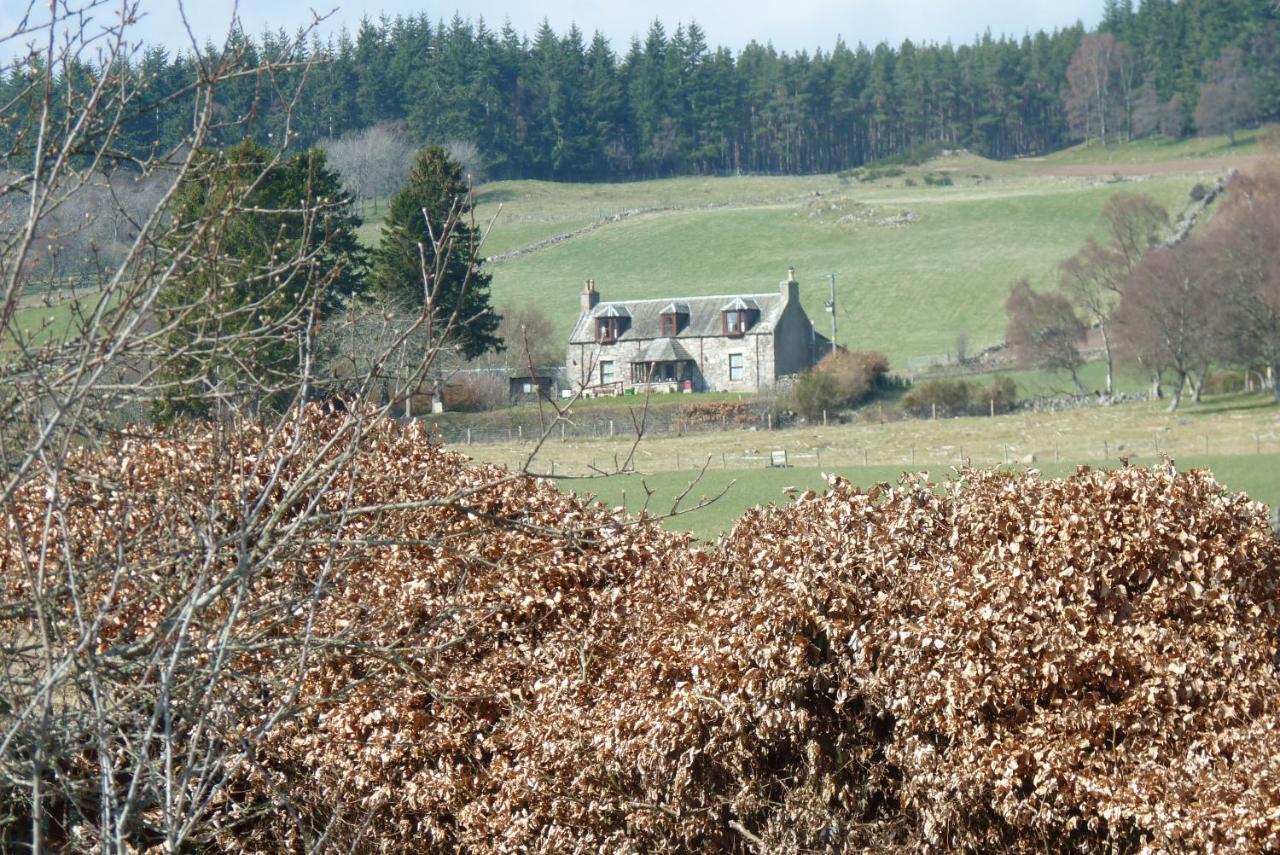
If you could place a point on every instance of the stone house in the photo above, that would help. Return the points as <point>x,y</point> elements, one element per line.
<point>734,343</point>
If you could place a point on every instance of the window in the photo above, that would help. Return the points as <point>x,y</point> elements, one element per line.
<point>736,322</point>
<point>608,329</point>
<point>606,372</point>
<point>736,367</point>
<point>673,322</point>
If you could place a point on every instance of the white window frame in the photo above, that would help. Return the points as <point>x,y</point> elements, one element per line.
<point>737,373</point>
<point>607,373</point>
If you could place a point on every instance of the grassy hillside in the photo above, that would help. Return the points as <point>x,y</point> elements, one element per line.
<point>917,264</point>
<point>907,288</point>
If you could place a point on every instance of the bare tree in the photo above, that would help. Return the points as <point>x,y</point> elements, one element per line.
<point>1091,280</point>
<point>1168,314</point>
<point>1227,102</point>
<point>1043,331</point>
<point>530,338</point>
<point>1135,223</point>
<point>373,162</point>
<point>468,155</point>
<point>1244,240</point>
<point>1100,83</point>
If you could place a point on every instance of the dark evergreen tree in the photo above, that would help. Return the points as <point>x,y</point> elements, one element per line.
<point>267,245</point>
<point>429,254</point>
<point>558,107</point>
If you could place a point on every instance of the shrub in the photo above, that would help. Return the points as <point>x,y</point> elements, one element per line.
<point>815,393</point>
<point>937,179</point>
<point>840,380</point>
<point>960,397</point>
<point>1199,191</point>
<point>735,413</point>
<point>878,173</point>
<point>477,392</point>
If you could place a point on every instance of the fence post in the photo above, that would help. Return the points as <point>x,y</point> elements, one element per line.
<point>1106,449</point>
<point>993,408</point>
<point>934,407</point>
<point>610,428</point>
<point>562,431</point>
<point>468,436</point>
<point>677,460</point>
<point>864,457</point>
<point>520,432</point>
<point>824,418</point>
<point>913,455</point>
<point>769,421</point>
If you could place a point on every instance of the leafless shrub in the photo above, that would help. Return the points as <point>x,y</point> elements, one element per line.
<point>1009,661</point>
<point>477,390</point>
<point>162,587</point>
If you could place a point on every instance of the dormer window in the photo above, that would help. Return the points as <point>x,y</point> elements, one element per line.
<point>611,323</point>
<point>674,318</point>
<point>738,316</point>
<point>608,330</point>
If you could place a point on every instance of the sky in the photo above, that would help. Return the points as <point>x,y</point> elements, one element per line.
<point>792,26</point>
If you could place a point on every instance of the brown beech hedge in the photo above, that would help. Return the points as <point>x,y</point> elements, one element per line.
<point>1006,663</point>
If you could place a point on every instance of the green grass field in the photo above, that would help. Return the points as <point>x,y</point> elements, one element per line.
<point>716,501</point>
<point>1237,436</point>
<point>1155,150</point>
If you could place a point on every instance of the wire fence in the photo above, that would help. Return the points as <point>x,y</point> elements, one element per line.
<point>652,424</point>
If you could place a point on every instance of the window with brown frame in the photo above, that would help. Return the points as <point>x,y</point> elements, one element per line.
<point>736,322</point>
<point>608,330</point>
<point>670,325</point>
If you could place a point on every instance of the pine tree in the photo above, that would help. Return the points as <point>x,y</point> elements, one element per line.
<point>430,216</point>
<point>274,243</point>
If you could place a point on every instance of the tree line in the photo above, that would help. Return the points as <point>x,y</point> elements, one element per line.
<point>567,107</point>
<point>1173,306</point>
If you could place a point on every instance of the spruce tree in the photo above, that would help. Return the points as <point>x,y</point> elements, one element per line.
<point>435,195</point>
<point>261,249</point>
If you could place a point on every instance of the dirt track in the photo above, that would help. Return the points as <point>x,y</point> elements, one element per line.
<point>1168,167</point>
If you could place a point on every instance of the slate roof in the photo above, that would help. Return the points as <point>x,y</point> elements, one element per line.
<point>663,350</point>
<point>704,316</point>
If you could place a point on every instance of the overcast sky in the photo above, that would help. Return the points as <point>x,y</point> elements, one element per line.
<point>791,26</point>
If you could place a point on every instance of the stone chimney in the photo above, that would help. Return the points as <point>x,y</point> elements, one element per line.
<point>789,287</point>
<point>590,296</point>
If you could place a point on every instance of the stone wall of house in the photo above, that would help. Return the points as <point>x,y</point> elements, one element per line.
<point>757,362</point>
<point>794,335</point>
<point>712,354</point>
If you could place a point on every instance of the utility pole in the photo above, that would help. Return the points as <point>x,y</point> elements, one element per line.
<point>830,306</point>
